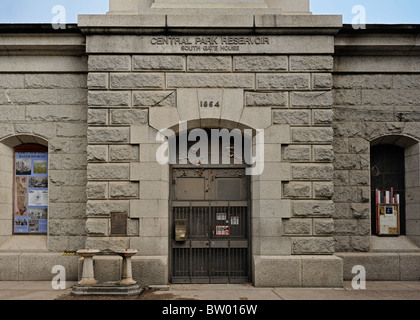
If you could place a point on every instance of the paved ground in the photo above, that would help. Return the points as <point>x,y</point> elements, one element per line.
<point>375,290</point>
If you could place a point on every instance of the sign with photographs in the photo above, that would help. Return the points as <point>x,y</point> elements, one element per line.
<point>222,230</point>
<point>388,220</point>
<point>31,192</point>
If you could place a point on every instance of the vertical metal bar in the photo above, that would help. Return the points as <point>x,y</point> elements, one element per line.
<point>189,238</point>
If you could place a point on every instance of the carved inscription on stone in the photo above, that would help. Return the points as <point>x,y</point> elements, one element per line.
<point>209,44</point>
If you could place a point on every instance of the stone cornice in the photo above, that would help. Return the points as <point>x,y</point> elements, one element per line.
<point>39,39</point>
<point>215,24</point>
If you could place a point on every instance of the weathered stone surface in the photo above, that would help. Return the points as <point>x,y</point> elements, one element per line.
<point>239,80</point>
<point>108,135</point>
<point>123,190</point>
<point>109,63</point>
<point>347,97</point>
<point>43,96</point>
<point>360,210</point>
<point>38,266</point>
<point>296,153</point>
<point>378,266</point>
<point>124,153</point>
<point>97,190</point>
<point>266,99</point>
<point>318,99</point>
<point>108,171</point>
<point>129,116</point>
<point>283,271</point>
<point>322,81</point>
<point>109,98</point>
<point>406,81</point>
<point>209,64</point>
<point>154,98</point>
<point>323,227</point>
<point>322,271</point>
<point>350,162</point>
<point>155,62</point>
<point>283,81</point>
<point>107,244</point>
<point>97,80</point>
<point>323,153</point>
<point>97,116</point>
<point>97,153</point>
<point>150,270</point>
<point>292,117</point>
<point>390,97</point>
<point>312,63</point>
<point>136,80</point>
<point>98,227</point>
<point>324,190</point>
<point>312,172</point>
<point>322,117</point>
<point>359,178</point>
<point>312,135</point>
<point>313,209</point>
<point>297,190</point>
<point>12,81</point>
<point>363,81</point>
<point>324,245</point>
<point>105,208</point>
<point>352,227</point>
<point>66,227</point>
<point>297,226</point>
<point>260,63</point>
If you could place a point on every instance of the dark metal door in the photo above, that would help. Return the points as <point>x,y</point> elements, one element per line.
<point>387,170</point>
<point>214,204</point>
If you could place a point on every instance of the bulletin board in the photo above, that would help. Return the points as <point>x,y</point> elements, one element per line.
<point>388,220</point>
<point>30,209</point>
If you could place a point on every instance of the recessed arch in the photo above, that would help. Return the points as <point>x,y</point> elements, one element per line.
<point>16,140</point>
<point>399,159</point>
<point>402,141</point>
<point>9,146</point>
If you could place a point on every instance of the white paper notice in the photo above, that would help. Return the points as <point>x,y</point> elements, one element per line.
<point>38,198</point>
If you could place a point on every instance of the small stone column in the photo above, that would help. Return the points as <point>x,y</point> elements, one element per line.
<point>127,276</point>
<point>88,278</point>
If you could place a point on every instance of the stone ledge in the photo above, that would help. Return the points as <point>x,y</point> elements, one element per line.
<point>25,266</point>
<point>217,18</point>
<point>297,271</point>
<point>382,266</point>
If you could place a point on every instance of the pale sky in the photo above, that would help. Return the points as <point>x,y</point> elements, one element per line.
<point>377,11</point>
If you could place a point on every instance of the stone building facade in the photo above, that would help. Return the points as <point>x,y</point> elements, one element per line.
<point>97,93</point>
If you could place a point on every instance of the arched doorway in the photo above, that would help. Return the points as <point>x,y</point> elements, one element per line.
<point>210,214</point>
<point>387,167</point>
<point>394,162</point>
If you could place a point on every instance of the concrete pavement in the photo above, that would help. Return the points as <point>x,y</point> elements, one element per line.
<point>375,290</point>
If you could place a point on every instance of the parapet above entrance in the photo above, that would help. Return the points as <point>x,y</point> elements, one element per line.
<point>210,6</point>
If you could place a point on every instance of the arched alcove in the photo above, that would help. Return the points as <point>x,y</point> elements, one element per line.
<point>9,148</point>
<point>395,163</point>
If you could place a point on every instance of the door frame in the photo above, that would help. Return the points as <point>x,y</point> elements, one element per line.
<point>171,231</point>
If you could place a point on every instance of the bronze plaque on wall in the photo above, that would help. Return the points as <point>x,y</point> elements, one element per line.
<point>119,223</point>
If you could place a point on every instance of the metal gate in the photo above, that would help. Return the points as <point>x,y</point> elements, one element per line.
<point>210,226</point>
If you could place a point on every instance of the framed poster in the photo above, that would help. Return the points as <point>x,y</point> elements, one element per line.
<point>388,219</point>
<point>30,213</point>
<point>222,230</point>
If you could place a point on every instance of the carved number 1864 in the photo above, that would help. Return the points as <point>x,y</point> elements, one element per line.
<point>209,104</point>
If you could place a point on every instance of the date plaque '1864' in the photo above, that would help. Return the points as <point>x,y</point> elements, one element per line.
<point>119,223</point>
